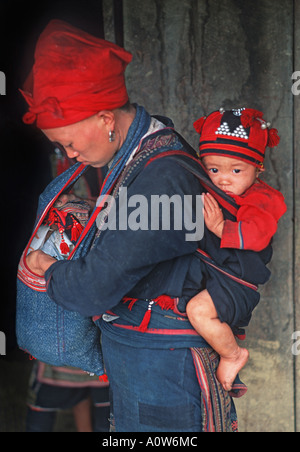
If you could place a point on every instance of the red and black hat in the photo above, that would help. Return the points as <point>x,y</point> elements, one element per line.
<point>241,134</point>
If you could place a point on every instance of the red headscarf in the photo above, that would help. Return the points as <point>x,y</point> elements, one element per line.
<point>74,76</point>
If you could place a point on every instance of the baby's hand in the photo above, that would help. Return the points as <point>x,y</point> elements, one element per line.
<point>213,215</point>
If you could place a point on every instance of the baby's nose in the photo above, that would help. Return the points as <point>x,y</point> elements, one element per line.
<point>225,181</point>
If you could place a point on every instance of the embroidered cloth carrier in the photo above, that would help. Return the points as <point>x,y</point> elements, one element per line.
<point>45,330</point>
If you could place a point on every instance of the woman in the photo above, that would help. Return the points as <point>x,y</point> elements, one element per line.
<point>135,279</point>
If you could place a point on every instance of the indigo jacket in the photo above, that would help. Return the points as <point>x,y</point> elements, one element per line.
<point>147,263</point>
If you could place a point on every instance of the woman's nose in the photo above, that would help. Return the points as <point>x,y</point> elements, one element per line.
<point>71,153</point>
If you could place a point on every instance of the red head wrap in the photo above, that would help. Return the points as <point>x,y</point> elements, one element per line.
<point>241,134</point>
<point>74,76</point>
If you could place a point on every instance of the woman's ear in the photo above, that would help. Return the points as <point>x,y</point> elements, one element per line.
<point>107,119</point>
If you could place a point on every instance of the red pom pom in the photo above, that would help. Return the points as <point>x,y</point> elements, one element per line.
<point>198,125</point>
<point>64,248</point>
<point>249,116</point>
<point>274,138</point>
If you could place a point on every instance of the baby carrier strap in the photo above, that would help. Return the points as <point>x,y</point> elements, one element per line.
<point>195,167</point>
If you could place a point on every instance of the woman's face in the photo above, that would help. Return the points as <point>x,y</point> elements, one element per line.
<point>87,141</point>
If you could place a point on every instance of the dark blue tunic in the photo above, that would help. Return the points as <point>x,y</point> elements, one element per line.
<point>147,263</point>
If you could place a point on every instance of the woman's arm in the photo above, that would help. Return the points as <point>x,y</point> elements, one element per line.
<point>93,284</point>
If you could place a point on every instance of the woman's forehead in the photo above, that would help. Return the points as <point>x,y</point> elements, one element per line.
<point>69,132</point>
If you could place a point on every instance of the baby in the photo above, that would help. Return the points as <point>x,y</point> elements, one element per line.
<point>232,148</point>
<point>62,227</point>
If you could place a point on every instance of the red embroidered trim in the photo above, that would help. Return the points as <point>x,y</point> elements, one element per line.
<point>239,280</point>
<point>164,332</point>
<point>163,301</point>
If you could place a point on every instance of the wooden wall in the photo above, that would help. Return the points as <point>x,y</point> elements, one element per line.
<point>192,57</point>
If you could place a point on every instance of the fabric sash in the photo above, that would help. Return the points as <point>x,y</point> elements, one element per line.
<point>218,412</point>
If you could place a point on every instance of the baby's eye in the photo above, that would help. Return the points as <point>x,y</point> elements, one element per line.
<point>213,170</point>
<point>236,171</point>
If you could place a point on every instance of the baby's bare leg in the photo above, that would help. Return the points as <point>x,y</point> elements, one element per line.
<point>203,316</point>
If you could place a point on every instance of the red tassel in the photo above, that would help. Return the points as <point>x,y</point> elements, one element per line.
<point>165,302</point>
<point>77,229</point>
<point>55,216</point>
<point>274,138</point>
<point>198,125</point>
<point>64,248</point>
<point>103,378</point>
<point>52,218</point>
<point>131,302</point>
<point>249,116</point>
<point>146,320</point>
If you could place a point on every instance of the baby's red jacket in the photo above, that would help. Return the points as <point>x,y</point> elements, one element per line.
<point>261,207</point>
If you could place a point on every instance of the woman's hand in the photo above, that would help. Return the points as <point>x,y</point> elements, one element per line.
<point>213,215</point>
<point>39,262</point>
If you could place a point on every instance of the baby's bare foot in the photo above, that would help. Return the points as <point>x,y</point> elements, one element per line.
<point>229,367</point>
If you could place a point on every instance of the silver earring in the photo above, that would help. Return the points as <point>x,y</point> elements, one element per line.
<point>112,136</point>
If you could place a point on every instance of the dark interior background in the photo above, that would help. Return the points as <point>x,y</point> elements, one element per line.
<point>190,57</point>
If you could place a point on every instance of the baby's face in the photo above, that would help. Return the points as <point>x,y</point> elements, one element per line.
<point>232,176</point>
